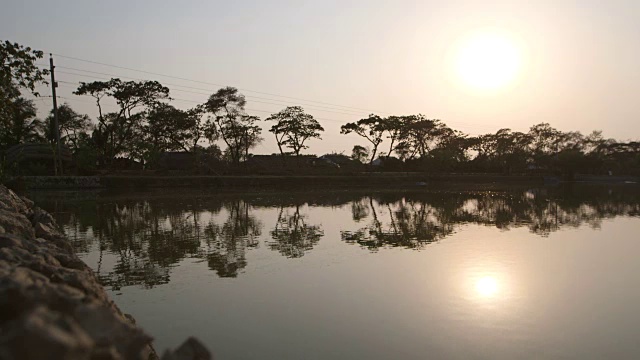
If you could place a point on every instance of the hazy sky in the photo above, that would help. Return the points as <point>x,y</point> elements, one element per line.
<point>580,67</point>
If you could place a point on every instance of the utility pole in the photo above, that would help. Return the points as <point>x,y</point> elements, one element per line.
<point>54,85</point>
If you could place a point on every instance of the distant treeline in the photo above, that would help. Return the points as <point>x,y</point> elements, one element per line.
<point>146,127</point>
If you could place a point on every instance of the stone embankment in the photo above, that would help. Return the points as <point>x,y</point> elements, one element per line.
<point>51,304</point>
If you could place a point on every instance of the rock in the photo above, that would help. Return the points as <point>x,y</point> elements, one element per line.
<point>12,202</point>
<point>107,329</point>
<point>10,241</point>
<point>43,231</point>
<point>27,202</point>
<point>51,303</point>
<point>109,353</point>
<point>40,216</point>
<point>191,349</point>
<point>43,334</point>
<point>16,223</point>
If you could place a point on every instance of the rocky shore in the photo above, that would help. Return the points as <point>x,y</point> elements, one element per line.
<point>51,304</point>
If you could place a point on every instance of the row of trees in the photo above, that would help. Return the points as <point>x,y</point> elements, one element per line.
<point>432,144</point>
<point>145,125</point>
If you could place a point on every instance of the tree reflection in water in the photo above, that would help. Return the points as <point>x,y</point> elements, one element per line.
<point>292,236</point>
<point>144,239</point>
<point>226,245</point>
<point>411,225</point>
<point>418,219</point>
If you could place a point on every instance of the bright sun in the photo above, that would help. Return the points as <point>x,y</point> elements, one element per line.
<point>488,60</point>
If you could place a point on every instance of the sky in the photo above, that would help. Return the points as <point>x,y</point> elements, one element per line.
<point>578,62</point>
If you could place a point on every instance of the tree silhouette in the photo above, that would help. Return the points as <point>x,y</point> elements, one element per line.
<point>293,128</point>
<point>72,126</point>
<point>121,132</point>
<point>230,123</point>
<point>371,128</point>
<point>18,70</point>
<point>20,124</point>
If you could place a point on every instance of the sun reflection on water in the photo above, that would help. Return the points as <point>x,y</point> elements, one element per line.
<point>487,286</point>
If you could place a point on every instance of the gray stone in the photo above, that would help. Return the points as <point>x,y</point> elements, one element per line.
<point>110,329</point>
<point>43,334</point>
<point>44,231</point>
<point>40,216</point>
<point>12,202</point>
<point>16,223</point>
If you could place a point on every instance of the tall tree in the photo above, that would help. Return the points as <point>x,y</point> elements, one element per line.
<point>230,123</point>
<point>293,128</point>
<point>394,125</point>
<point>120,131</point>
<point>170,129</point>
<point>18,72</point>
<point>21,125</point>
<point>544,143</point>
<point>71,124</point>
<point>451,151</point>
<point>371,128</point>
<point>420,135</point>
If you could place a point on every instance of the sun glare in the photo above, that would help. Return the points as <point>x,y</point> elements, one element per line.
<point>488,60</point>
<point>487,286</point>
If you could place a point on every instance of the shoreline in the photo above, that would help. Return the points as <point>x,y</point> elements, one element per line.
<point>394,180</point>
<point>387,180</point>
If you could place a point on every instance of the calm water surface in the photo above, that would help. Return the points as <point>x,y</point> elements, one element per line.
<point>541,273</point>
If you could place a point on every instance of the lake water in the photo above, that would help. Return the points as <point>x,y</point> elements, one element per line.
<point>537,273</point>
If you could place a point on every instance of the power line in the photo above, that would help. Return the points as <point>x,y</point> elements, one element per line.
<point>66,83</point>
<point>343,109</point>
<point>70,84</point>
<point>40,98</point>
<point>214,84</point>
<point>263,111</point>
<point>280,102</point>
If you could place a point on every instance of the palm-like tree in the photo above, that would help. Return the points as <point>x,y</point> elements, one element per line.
<point>19,124</point>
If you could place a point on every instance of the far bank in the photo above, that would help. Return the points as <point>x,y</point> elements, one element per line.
<point>391,180</point>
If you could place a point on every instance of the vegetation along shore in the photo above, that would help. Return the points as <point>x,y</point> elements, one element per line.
<point>138,129</point>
